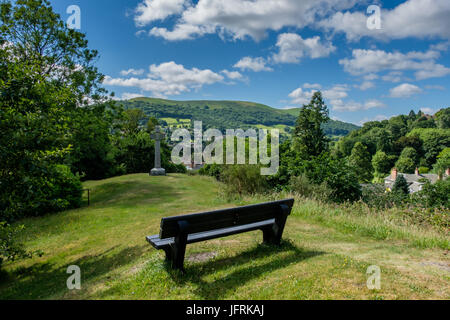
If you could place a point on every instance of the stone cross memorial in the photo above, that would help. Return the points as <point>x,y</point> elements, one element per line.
<point>157,135</point>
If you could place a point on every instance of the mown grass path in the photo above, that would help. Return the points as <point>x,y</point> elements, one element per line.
<point>107,241</point>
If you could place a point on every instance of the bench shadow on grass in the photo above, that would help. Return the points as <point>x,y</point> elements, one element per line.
<point>46,280</point>
<point>219,288</point>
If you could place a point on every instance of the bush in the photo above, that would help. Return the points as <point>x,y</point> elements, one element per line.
<point>212,170</point>
<point>376,196</point>
<point>10,248</point>
<point>47,189</point>
<point>301,185</point>
<point>423,170</point>
<point>243,179</point>
<point>434,195</point>
<point>400,186</point>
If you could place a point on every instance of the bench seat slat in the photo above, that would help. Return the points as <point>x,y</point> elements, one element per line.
<point>159,243</point>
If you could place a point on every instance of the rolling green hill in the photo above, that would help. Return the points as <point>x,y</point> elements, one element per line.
<point>227,115</point>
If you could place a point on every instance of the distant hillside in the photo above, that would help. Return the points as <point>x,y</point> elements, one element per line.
<point>228,114</point>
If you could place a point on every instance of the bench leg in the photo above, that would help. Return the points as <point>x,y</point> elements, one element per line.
<point>168,252</point>
<point>273,234</point>
<point>178,251</point>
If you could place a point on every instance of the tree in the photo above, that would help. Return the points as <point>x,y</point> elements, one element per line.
<point>360,162</point>
<point>411,153</point>
<point>443,118</point>
<point>400,185</point>
<point>443,162</point>
<point>310,140</point>
<point>46,75</point>
<point>151,124</point>
<point>405,165</point>
<point>132,120</point>
<point>382,163</point>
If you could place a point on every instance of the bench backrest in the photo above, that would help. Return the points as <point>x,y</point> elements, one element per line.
<point>225,218</point>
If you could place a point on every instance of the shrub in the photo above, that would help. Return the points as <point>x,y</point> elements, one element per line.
<point>243,179</point>
<point>212,170</point>
<point>301,185</point>
<point>400,185</point>
<point>45,190</point>
<point>376,196</point>
<point>434,195</point>
<point>10,248</point>
<point>423,170</point>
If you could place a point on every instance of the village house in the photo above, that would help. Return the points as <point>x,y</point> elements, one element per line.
<point>415,181</point>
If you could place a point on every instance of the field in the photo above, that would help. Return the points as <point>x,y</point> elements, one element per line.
<point>325,255</point>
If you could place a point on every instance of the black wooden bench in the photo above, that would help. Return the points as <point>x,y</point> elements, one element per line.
<point>177,232</point>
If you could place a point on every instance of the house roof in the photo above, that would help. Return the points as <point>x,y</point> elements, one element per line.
<point>415,178</point>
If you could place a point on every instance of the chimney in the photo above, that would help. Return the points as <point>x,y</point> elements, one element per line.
<point>394,174</point>
<point>417,172</point>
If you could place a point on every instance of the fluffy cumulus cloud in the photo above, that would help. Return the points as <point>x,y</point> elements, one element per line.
<point>167,79</point>
<point>404,90</point>
<point>149,11</point>
<point>233,75</point>
<point>292,47</point>
<point>367,61</point>
<point>412,18</point>
<point>339,105</point>
<point>335,97</point>
<point>253,64</point>
<point>134,72</point>
<point>237,19</point>
<point>253,18</point>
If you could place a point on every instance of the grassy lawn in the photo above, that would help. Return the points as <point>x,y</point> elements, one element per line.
<point>325,254</point>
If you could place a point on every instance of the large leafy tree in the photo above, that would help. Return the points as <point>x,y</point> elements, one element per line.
<point>309,138</point>
<point>360,162</point>
<point>47,82</point>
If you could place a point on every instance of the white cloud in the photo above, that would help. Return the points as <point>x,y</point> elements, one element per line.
<point>379,117</point>
<point>240,19</point>
<point>233,75</point>
<point>128,96</point>
<point>404,90</point>
<point>370,77</point>
<point>412,18</point>
<point>312,86</point>
<point>168,79</point>
<point>393,76</point>
<point>254,64</point>
<point>339,105</point>
<point>374,61</point>
<point>133,72</point>
<point>336,92</point>
<point>301,96</point>
<point>365,85</point>
<point>293,47</point>
<point>428,110</point>
<point>152,10</point>
<point>235,18</point>
<point>335,98</point>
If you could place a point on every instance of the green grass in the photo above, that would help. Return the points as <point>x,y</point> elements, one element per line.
<point>325,255</point>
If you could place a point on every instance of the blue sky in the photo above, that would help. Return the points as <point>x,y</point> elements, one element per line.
<point>275,52</point>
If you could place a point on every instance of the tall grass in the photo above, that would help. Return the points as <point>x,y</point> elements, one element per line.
<point>360,219</point>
